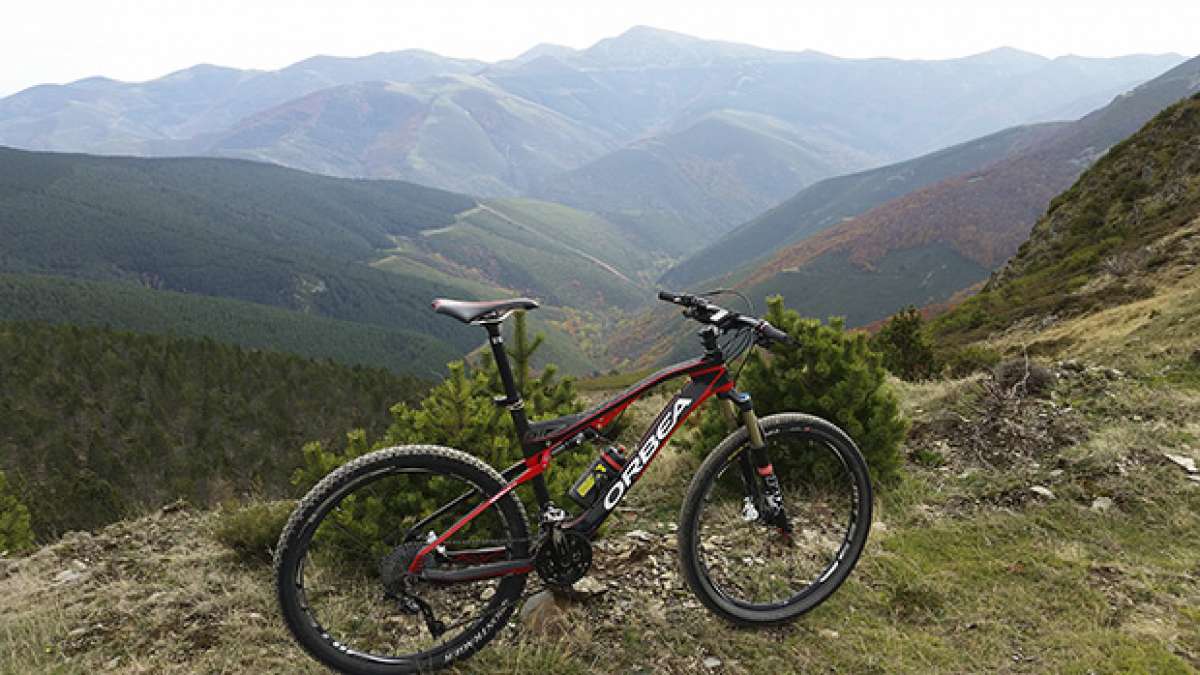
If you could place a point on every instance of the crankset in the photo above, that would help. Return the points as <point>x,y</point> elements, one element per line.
<point>563,556</point>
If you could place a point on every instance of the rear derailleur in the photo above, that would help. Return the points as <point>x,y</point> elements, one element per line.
<point>400,585</point>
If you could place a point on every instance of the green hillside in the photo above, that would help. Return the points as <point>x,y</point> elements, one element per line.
<point>833,200</point>
<point>570,257</point>
<point>251,232</point>
<point>832,286</point>
<point>96,425</point>
<point>350,264</point>
<point>1133,212</point>
<point>455,131</point>
<point>135,308</point>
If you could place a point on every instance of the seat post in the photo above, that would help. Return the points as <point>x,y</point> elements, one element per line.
<point>512,396</point>
<point>516,407</point>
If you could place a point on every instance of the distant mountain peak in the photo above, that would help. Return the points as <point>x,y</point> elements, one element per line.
<point>646,46</point>
<point>544,49</point>
<point>1007,55</point>
<point>642,32</point>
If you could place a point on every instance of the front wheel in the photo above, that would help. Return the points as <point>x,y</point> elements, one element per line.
<point>751,570</point>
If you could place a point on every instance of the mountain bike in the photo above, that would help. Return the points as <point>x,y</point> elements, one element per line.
<point>410,558</point>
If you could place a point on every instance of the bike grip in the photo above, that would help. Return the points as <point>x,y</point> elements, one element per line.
<point>682,299</point>
<point>773,333</point>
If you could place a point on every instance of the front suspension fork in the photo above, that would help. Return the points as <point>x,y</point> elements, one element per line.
<point>764,496</point>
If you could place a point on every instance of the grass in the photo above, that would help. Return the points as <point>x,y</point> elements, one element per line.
<point>966,570</point>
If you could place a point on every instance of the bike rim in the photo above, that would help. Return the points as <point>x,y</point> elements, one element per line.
<point>753,565</point>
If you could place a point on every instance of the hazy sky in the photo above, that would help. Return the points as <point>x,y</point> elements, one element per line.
<point>60,41</point>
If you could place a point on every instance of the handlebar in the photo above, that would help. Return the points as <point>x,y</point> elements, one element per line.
<point>682,299</point>
<point>700,309</point>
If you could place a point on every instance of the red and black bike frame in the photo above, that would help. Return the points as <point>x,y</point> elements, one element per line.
<point>708,377</point>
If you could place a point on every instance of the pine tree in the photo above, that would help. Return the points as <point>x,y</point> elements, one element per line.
<point>15,533</point>
<point>906,348</point>
<point>459,413</point>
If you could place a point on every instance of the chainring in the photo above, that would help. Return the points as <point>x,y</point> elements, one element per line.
<point>563,557</point>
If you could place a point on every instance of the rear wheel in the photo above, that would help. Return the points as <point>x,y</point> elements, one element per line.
<point>341,566</point>
<point>752,572</point>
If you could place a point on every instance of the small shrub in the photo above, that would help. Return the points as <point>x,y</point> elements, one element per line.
<point>15,533</point>
<point>927,458</point>
<point>1024,377</point>
<point>251,531</point>
<point>905,346</point>
<point>832,374</point>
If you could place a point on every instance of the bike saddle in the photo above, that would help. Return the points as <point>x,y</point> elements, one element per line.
<point>469,311</point>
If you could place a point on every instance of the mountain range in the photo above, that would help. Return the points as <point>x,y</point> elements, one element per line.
<point>925,246</point>
<point>920,232</point>
<point>674,138</point>
<point>575,176</point>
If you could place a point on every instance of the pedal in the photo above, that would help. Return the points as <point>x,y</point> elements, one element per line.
<point>553,514</point>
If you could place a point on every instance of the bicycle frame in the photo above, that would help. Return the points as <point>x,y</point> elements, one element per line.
<point>708,377</point>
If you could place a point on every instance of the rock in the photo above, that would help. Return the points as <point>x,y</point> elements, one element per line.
<point>1187,463</point>
<point>543,614</point>
<point>640,535</point>
<point>113,663</point>
<point>590,586</point>
<point>487,593</point>
<point>712,662</point>
<point>1102,504</point>
<point>1072,365</point>
<point>67,577</point>
<point>1042,491</point>
<point>828,634</point>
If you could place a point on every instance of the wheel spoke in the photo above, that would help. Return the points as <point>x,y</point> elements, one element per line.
<point>751,570</point>
<point>358,600</point>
